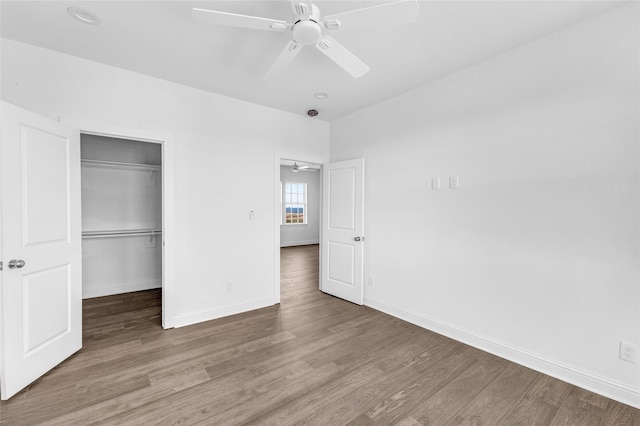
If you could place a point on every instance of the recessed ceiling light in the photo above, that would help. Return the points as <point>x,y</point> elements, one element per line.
<point>321,95</point>
<point>83,15</point>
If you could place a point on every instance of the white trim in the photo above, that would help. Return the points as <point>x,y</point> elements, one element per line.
<point>168,202</point>
<point>592,382</point>
<point>299,243</point>
<point>189,319</point>
<point>277,206</point>
<point>320,229</point>
<point>118,288</point>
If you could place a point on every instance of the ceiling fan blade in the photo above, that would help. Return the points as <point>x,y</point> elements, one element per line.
<point>302,9</point>
<point>341,56</point>
<point>215,17</point>
<point>285,57</point>
<point>396,13</point>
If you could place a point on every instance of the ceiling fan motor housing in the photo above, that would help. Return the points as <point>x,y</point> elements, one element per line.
<point>307,30</point>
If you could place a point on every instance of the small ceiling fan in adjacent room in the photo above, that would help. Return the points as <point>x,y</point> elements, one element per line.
<point>309,27</point>
<point>303,168</point>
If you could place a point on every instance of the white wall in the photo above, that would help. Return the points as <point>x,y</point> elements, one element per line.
<point>301,234</point>
<point>536,256</point>
<point>211,135</point>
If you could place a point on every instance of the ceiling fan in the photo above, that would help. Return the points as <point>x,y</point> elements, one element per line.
<point>309,27</point>
<point>296,168</point>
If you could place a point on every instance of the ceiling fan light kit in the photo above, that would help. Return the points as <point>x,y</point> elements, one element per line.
<point>309,27</point>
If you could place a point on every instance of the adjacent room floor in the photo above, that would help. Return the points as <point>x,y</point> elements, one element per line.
<point>313,359</point>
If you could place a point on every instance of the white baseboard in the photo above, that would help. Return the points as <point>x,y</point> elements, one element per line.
<point>119,288</point>
<point>592,382</point>
<point>298,243</point>
<point>189,319</point>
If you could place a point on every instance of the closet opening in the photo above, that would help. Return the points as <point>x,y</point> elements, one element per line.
<point>122,219</point>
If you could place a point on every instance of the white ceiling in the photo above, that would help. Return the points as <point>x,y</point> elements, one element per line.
<point>160,38</point>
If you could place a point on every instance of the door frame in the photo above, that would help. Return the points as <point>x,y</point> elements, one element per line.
<point>168,211</point>
<point>277,157</point>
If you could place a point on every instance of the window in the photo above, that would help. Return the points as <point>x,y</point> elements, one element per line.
<point>295,206</point>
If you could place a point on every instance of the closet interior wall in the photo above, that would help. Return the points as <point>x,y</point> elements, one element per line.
<point>121,215</point>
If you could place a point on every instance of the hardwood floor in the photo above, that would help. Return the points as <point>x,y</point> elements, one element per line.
<point>314,359</point>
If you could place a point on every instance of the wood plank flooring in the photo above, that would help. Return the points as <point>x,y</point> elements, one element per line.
<point>314,359</point>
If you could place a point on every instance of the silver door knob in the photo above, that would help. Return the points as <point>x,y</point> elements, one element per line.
<point>16,264</point>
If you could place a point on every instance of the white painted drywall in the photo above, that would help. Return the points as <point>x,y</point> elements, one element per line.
<point>120,265</point>
<point>223,166</point>
<point>308,233</point>
<point>536,256</point>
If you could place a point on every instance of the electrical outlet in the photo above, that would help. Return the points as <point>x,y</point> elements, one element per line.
<point>228,286</point>
<point>628,352</point>
<point>370,281</point>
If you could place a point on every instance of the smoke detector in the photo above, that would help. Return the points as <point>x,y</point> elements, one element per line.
<point>83,15</point>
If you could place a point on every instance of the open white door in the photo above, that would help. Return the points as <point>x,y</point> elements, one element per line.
<point>41,295</point>
<point>342,229</point>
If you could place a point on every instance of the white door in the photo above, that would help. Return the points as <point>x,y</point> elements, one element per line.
<point>342,229</point>
<point>41,294</point>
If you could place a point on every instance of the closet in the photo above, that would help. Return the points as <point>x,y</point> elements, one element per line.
<point>121,215</point>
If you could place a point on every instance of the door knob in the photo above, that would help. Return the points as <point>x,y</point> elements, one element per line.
<point>359,238</point>
<point>16,264</point>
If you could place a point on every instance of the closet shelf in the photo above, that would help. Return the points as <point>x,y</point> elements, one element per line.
<point>121,233</point>
<point>119,165</point>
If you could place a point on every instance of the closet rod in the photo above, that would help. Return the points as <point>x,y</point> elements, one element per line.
<point>122,233</point>
<point>117,164</point>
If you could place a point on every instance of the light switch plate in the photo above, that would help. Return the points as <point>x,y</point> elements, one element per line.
<point>454,182</point>
<point>435,183</point>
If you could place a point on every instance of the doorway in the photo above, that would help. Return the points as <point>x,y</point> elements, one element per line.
<point>299,214</point>
<point>122,216</point>
<point>41,164</point>
<point>341,233</point>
